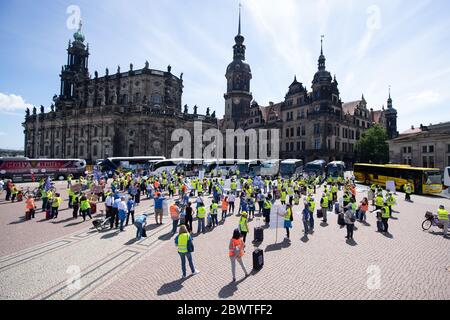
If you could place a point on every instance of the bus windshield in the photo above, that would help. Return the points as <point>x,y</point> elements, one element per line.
<point>433,177</point>
<point>287,169</point>
<point>335,171</point>
<point>313,168</point>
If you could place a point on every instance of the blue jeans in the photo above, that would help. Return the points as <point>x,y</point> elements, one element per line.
<point>183,262</point>
<point>139,227</point>
<point>174,225</point>
<point>306,226</point>
<point>201,225</point>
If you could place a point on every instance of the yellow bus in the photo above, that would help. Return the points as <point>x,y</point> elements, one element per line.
<point>424,180</point>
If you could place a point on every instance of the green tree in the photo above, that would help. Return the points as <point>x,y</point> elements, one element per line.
<point>373,146</point>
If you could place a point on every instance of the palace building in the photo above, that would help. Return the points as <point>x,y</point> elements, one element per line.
<point>313,124</point>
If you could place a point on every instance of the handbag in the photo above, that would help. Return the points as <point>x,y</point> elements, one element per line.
<point>190,246</point>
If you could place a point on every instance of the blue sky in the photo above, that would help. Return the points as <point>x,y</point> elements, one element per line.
<point>369,45</point>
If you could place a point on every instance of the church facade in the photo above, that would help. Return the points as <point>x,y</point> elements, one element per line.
<point>313,124</point>
<point>131,113</point>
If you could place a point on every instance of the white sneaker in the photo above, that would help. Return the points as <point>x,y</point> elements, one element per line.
<point>196,272</point>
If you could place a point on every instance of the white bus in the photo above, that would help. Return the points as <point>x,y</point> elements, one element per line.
<point>165,165</point>
<point>220,166</point>
<point>127,163</point>
<point>249,167</point>
<point>270,168</point>
<point>291,167</point>
<point>189,167</point>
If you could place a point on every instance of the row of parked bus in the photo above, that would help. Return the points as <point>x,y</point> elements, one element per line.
<point>424,180</point>
<point>192,167</point>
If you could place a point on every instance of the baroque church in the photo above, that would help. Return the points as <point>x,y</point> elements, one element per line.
<point>122,114</point>
<point>313,124</point>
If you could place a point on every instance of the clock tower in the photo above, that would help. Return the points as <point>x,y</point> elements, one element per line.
<point>238,97</point>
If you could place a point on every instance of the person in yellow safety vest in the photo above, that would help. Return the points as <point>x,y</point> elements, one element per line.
<point>266,210</point>
<point>385,215</point>
<point>288,218</point>
<point>70,194</point>
<point>390,200</point>
<point>346,198</point>
<point>329,194</point>
<point>334,190</point>
<point>243,226</point>
<point>283,196</point>
<point>214,212</point>
<point>290,194</point>
<point>182,241</point>
<point>324,205</point>
<point>85,207</point>
<point>199,188</point>
<point>443,218</point>
<point>201,213</point>
<point>55,205</point>
<point>233,186</point>
<point>379,201</point>
<point>408,190</point>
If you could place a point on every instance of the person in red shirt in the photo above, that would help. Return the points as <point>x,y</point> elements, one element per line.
<point>236,252</point>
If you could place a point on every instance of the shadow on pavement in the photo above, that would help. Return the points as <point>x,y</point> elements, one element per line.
<point>232,287</point>
<point>131,241</point>
<point>388,235</point>
<point>351,242</point>
<point>440,233</point>
<point>22,219</point>
<point>304,239</point>
<point>172,287</point>
<point>151,227</point>
<point>110,235</point>
<point>166,237</point>
<point>278,246</point>
<point>366,224</point>
<point>324,224</point>
<point>73,224</point>
<point>62,221</point>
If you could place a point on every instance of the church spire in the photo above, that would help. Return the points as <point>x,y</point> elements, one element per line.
<point>239,26</point>
<point>322,57</point>
<point>389,102</point>
<point>239,47</point>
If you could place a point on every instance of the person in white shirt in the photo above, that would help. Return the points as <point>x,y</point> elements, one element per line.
<point>122,212</point>
<point>231,200</point>
<point>109,205</point>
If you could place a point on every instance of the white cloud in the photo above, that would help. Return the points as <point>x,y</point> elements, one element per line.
<point>426,97</point>
<point>11,103</point>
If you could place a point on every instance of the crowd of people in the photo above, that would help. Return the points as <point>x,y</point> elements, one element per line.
<point>184,200</point>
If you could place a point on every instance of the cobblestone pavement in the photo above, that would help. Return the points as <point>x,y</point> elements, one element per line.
<point>412,264</point>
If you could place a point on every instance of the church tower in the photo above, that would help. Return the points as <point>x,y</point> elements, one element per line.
<point>391,119</point>
<point>76,69</point>
<point>238,97</point>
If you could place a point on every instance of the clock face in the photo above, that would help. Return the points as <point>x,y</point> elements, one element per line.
<point>236,100</point>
